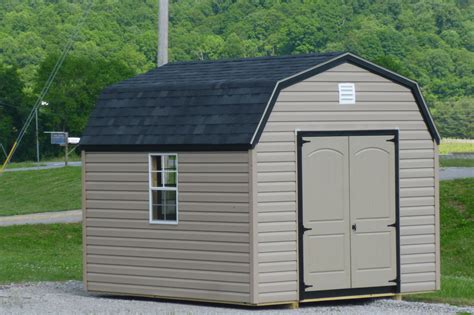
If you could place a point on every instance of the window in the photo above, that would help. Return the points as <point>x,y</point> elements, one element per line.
<point>163,184</point>
<point>347,93</point>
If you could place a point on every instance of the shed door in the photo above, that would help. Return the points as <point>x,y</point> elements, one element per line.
<point>348,185</point>
<point>372,199</point>
<point>326,213</point>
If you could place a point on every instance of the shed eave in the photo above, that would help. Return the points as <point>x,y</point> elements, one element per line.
<point>165,148</point>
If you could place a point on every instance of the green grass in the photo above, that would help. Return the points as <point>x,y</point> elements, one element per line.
<point>456,146</point>
<point>40,191</point>
<point>72,158</point>
<point>457,244</point>
<point>50,252</point>
<point>456,162</point>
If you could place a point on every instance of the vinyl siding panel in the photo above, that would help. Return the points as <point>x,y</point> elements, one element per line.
<point>162,291</point>
<point>313,105</point>
<point>205,256</point>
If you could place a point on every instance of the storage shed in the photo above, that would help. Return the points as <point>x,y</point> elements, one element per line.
<point>262,181</point>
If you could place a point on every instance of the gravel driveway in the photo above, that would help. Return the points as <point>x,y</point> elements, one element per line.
<point>69,298</point>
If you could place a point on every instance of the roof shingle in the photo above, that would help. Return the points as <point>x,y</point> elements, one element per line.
<point>192,103</point>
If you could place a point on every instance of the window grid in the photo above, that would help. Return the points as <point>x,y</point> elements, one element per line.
<point>162,169</point>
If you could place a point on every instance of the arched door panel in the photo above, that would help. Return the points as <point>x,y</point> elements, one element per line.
<point>326,215</point>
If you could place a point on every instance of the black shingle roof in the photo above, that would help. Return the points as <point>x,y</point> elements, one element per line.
<point>210,104</point>
<point>192,103</point>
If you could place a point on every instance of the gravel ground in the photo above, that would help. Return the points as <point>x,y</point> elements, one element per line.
<point>70,298</point>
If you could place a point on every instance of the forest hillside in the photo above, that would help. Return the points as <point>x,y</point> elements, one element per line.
<point>430,41</point>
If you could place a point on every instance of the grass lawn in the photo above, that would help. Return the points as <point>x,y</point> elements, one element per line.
<point>456,162</point>
<point>40,191</point>
<point>456,146</point>
<point>40,252</point>
<point>457,244</point>
<point>72,158</point>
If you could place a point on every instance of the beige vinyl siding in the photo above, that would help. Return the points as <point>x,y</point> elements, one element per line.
<point>205,256</point>
<point>314,105</point>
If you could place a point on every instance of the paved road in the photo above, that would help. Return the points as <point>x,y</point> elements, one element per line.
<point>456,172</point>
<point>71,216</point>
<point>70,298</point>
<point>48,165</point>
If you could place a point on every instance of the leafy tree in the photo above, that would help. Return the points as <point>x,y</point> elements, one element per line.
<point>455,118</point>
<point>76,87</point>
<point>12,107</point>
<point>430,41</point>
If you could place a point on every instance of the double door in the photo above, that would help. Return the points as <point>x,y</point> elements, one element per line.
<point>349,212</point>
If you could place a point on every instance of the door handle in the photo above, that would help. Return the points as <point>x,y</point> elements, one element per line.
<point>354,227</point>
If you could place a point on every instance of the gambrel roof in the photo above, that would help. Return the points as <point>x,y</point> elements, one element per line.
<point>218,105</point>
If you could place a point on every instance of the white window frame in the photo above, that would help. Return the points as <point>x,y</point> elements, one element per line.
<point>151,188</point>
<point>346,85</point>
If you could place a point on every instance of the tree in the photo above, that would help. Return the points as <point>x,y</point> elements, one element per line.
<point>74,91</point>
<point>12,106</point>
<point>455,118</point>
<point>429,41</point>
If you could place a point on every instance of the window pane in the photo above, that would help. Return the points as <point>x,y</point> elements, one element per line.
<point>169,179</point>
<point>163,179</point>
<point>156,179</point>
<point>156,163</point>
<point>169,162</point>
<point>164,205</point>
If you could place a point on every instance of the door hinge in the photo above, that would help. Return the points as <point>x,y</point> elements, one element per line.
<point>392,225</point>
<point>304,141</point>
<point>306,229</point>
<point>306,286</point>
<point>394,280</point>
<point>391,140</point>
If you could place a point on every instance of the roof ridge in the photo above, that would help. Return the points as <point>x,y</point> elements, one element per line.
<point>244,59</point>
<point>223,84</point>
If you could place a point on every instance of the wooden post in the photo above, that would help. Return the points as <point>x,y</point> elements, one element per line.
<point>294,305</point>
<point>66,153</point>
<point>162,53</point>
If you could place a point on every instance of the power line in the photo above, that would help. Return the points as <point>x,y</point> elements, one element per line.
<point>7,105</point>
<point>3,149</point>
<point>47,85</point>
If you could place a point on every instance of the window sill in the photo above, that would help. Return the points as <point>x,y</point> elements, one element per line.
<point>164,222</point>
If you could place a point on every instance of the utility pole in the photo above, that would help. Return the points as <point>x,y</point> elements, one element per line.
<point>162,54</point>
<point>43,103</point>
